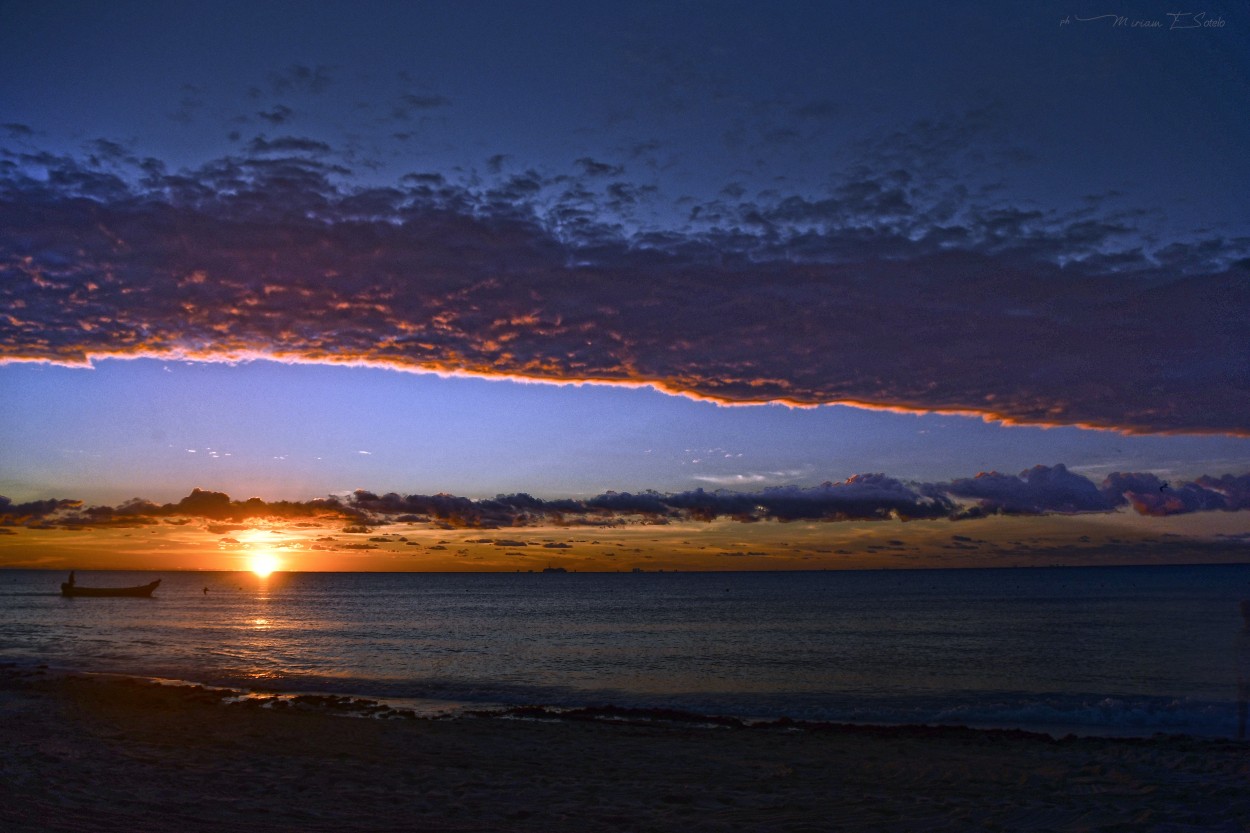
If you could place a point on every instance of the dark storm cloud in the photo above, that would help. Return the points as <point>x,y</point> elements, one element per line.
<point>858,296</point>
<point>1041,490</point>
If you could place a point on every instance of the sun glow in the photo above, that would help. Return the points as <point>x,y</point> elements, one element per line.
<point>262,564</point>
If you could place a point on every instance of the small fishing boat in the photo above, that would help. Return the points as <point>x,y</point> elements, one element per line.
<point>144,590</point>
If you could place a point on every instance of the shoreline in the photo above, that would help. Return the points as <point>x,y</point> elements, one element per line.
<point>366,704</point>
<point>94,752</point>
<point>343,701</point>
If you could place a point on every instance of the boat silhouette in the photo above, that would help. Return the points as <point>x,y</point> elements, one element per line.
<point>69,588</point>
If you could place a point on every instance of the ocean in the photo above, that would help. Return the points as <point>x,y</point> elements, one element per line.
<point>1111,651</point>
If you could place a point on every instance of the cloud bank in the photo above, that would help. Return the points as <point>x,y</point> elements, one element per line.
<point>885,292</point>
<point>1041,490</point>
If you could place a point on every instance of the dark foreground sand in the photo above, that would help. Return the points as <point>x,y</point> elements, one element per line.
<point>102,754</point>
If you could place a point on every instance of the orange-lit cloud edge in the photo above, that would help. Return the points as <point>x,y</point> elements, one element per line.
<point>86,361</point>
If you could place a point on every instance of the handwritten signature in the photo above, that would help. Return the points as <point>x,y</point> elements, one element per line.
<point>1180,20</point>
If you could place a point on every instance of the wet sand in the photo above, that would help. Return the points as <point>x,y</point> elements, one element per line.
<point>85,753</point>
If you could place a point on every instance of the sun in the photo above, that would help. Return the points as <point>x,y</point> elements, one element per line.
<point>262,564</point>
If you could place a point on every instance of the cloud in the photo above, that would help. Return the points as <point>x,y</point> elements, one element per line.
<point>277,115</point>
<point>860,497</point>
<point>1041,490</point>
<point>1148,495</point>
<point>411,103</point>
<point>733,479</point>
<point>1045,490</point>
<point>860,296</point>
<point>23,514</point>
<point>592,167</point>
<point>287,144</point>
<point>190,102</point>
<point>299,78</point>
<point>200,503</point>
<point>1235,490</point>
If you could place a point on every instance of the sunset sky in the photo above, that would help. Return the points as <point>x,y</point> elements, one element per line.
<point>319,253</point>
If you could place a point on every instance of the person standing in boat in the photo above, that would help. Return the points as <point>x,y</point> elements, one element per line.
<point>71,578</point>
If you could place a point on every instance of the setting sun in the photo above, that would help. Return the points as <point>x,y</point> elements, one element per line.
<point>262,564</point>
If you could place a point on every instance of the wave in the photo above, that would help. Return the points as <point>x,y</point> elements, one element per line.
<point>1056,714</point>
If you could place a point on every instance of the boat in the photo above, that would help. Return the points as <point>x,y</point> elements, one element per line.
<point>142,591</point>
<point>554,570</point>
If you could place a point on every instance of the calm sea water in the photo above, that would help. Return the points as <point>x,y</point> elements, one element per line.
<point>1132,650</point>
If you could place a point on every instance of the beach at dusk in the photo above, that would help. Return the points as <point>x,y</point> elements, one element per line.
<point>177,759</point>
<point>625,416</point>
<point>1024,699</point>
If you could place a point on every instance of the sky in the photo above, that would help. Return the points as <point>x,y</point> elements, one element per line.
<point>948,264</point>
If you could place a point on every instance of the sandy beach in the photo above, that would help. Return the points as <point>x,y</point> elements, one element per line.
<point>91,753</point>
